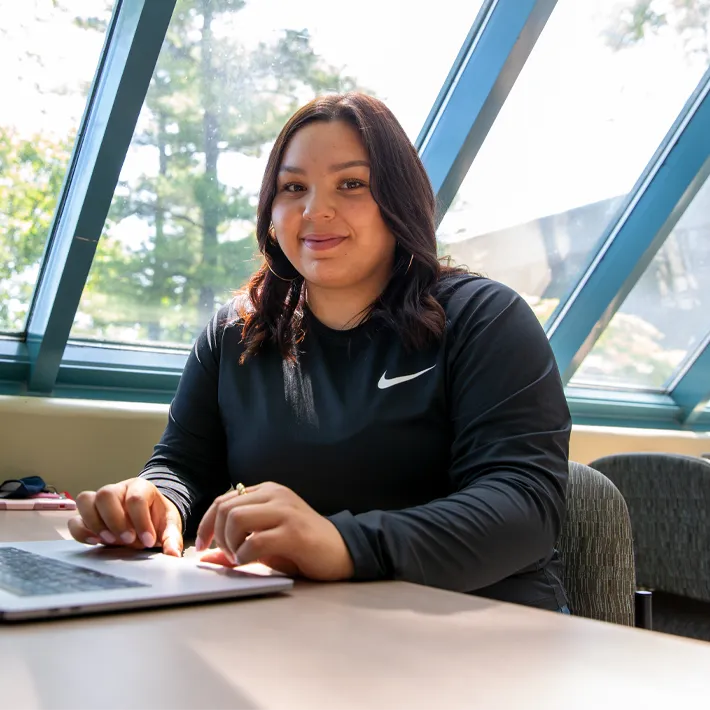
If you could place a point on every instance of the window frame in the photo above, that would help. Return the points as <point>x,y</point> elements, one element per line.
<point>663,192</point>
<point>133,41</point>
<point>690,389</point>
<point>494,53</point>
<point>46,362</point>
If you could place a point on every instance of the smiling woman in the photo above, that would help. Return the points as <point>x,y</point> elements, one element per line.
<point>324,205</point>
<point>346,207</point>
<point>381,415</point>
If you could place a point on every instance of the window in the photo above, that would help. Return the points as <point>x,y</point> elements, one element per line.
<point>48,59</point>
<point>665,317</point>
<point>593,102</point>
<point>180,234</point>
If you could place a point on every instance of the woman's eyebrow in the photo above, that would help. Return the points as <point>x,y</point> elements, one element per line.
<point>291,169</point>
<point>337,167</point>
<point>349,164</point>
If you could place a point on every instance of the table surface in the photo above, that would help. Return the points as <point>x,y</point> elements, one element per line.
<point>380,645</point>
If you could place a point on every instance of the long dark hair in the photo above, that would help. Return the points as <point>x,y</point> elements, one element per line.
<point>273,309</point>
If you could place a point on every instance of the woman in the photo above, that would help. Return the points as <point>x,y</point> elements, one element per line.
<point>382,416</point>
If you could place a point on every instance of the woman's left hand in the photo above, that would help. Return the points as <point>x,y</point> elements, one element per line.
<point>271,524</point>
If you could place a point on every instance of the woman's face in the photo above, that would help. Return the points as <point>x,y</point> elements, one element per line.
<point>325,218</point>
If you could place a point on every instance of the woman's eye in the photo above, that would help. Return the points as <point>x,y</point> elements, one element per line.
<point>353,184</point>
<point>292,187</point>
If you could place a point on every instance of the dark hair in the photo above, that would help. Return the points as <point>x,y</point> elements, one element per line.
<point>273,310</point>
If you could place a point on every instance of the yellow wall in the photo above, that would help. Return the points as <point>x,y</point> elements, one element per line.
<point>77,444</point>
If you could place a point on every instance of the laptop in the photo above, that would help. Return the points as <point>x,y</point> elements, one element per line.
<point>41,580</point>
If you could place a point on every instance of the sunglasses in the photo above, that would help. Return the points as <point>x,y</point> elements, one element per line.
<point>22,487</point>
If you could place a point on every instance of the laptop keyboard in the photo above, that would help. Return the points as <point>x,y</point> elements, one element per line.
<point>26,574</point>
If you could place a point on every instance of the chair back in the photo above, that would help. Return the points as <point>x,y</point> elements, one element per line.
<point>668,496</point>
<point>596,547</point>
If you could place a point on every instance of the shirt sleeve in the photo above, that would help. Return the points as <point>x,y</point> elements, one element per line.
<point>509,459</point>
<point>189,464</point>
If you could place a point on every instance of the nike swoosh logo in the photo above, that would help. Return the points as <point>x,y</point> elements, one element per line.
<point>384,383</point>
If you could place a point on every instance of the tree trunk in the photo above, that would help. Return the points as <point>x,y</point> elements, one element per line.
<point>209,196</point>
<point>155,293</point>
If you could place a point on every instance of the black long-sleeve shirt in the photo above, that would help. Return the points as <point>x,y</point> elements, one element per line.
<point>445,466</point>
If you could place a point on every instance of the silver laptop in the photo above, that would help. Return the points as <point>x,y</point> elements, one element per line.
<point>65,578</point>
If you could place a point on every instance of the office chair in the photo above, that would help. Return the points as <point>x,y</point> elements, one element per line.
<point>668,497</point>
<point>597,550</point>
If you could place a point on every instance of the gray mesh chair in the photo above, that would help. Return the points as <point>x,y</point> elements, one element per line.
<point>597,549</point>
<point>668,496</point>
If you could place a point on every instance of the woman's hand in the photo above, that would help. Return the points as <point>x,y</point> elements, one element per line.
<point>132,513</point>
<point>272,525</point>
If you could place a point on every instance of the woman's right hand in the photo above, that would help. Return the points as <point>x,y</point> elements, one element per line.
<point>132,513</point>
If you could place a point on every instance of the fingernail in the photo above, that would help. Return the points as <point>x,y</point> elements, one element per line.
<point>128,537</point>
<point>199,545</point>
<point>92,541</point>
<point>107,537</point>
<point>147,539</point>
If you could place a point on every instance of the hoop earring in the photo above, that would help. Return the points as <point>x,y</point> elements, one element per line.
<point>268,266</point>
<point>271,237</point>
<point>410,265</point>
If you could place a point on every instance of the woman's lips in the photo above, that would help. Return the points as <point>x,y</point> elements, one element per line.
<point>321,243</point>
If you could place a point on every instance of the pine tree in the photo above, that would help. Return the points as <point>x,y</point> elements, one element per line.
<point>209,97</point>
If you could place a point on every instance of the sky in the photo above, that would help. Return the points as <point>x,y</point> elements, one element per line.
<point>579,125</point>
<point>61,56</point>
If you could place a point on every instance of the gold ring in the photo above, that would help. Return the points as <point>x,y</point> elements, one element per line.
<point>240,488</point>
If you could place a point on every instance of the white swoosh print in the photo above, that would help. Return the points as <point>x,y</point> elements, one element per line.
<point>384,383</point>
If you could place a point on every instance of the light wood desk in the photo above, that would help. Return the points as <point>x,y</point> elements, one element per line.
<point>366,646</point>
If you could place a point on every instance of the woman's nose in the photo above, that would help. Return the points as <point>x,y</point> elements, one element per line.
<point>318,206</point>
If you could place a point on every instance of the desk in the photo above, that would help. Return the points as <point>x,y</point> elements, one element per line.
<point>342,646</point>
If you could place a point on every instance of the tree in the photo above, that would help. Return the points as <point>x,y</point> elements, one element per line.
<point>31,175</point>
<point>34,153</point>
<point>630,351</point>
<point>209,98</point>
<point>688,18</point>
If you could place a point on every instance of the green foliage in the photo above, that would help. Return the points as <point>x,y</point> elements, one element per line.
<point>543,308</point>
<point>634,22</point>
<point>630,351</point>
<point>31,174</point>
<point>688,18</point>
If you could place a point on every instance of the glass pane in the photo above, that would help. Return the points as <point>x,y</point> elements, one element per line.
<point>667,314</point>
<point>600,90</point>
<point>48,61</point>
<point>180,234</point>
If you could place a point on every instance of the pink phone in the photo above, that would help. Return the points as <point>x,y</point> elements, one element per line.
<point>37,504</point>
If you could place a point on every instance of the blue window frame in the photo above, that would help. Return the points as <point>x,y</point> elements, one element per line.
<point>46,362</point>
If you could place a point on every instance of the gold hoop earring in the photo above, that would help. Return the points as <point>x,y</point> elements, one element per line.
<point>410,265</point>
<point>268,266</point>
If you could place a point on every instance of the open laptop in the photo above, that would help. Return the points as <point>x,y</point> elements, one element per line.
<point>65,578</point>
